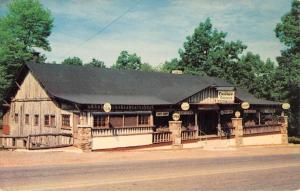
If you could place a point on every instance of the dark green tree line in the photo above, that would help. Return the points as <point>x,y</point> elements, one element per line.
<point>287,77</point>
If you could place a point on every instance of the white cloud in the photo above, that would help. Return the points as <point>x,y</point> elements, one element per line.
<point>158,32</point>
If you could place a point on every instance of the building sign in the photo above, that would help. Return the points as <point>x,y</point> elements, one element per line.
<point>176,116</point>
<point>185,112</point>
<point>286,106</point>
<point>161,114</point>
<point>107,107</point>
<point>237,114</point>
<point>268,110</point>
<point>245,105</point>
<point>226,112</point>
<point>225,96</point>
<point>185,106</point>
<point>250,111</point>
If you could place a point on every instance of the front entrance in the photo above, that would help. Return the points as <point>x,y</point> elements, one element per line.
<point>208,122</point>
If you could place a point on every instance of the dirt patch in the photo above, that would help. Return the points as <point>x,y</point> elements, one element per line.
<point>14,159</point>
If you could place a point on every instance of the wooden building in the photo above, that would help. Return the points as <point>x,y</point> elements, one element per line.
<point>54,98</point>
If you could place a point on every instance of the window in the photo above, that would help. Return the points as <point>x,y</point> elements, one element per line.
<point>46,120</point>
<point>130,120</point>
<point>27,119</point>
<point>36,120</point>
<point>116,121</point>
<point>100,121</point>
<point>16,118</point>
<point>65,120</point>
<point>52,120</point>
<point>143,120</point>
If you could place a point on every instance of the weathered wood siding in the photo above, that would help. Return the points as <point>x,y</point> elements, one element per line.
<point>32,99</point>
<point>207,96</point>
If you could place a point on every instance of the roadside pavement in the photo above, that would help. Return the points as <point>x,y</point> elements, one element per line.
<point>73,156</point>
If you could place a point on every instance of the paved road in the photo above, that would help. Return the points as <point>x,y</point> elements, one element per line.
<point>278,172</point>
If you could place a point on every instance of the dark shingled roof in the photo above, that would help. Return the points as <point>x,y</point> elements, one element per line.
<point>90,85</point>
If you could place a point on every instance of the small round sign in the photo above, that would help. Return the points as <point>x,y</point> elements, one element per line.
<point>237,114</point>
<point>176,116</point>
<point>107,107</point>
<point>185,106</point>
<point>286,106</point>
<point>245,105</point>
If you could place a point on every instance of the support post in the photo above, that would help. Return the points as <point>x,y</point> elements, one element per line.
<point>283,120</point>
<point>238,130</point>
<point>219,125</point>
<point>196,125</point>
<point>84,138</point>
<point>259,116</point>
<point>175,128</point>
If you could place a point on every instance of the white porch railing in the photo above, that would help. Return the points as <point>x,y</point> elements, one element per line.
<point>108,132</point>
<point>258,129</point>
<point>188,135</point>
<point>162,137</point>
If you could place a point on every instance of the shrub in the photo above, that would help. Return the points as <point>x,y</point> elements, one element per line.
<point>295,140</point>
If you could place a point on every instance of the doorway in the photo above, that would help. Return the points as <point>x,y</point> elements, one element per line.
<point>208,122</point>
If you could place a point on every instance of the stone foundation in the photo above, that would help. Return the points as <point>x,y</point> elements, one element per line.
<point>84,138</point>
<point>238,130</point>
<point>175,128</point>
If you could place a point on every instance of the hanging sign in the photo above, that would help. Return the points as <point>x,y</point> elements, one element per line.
<point>268,110</point>
<point>227,111</point>
<point>186,112</point>
<point>176,116</point>
<point>245,105</point>
<point>286,106</point>
<point>225,96</point>
<point>237,114</point>
<point>250,111</point>
<point>185,106</point>
<point>107,107</point>
<point>161,114</point>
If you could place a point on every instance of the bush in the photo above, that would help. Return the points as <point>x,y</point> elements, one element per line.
<point>295,140</point>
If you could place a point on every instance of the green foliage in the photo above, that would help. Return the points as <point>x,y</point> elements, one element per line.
<point>26,26</point>
<point>145,67</point>
<point>294,140</point>
<point>287,77</point>
<point>96,63</point>
<point>174,64</point>
<point>73,61</point>
<point>255,75</point>
<point>206,52</point>
<point>128,61</point>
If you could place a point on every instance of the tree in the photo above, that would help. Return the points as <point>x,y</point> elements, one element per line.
<point>174,64</point>
<point>96,63</point>
<point>145,67</point>
<point>73,61</point>
<point>255,75</point>
<point>206,52</point>
<point>287,77</point>
<point>128,61</point>
<point>25,27</point>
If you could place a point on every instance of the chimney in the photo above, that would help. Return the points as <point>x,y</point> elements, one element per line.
<point>35,56</point>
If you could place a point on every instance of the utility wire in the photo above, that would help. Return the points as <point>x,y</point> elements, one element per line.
<point>105,27</point>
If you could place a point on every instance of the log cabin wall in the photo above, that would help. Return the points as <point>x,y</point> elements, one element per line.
<point>30,106</point>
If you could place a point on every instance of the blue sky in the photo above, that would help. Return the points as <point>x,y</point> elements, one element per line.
<point>156,29</point>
